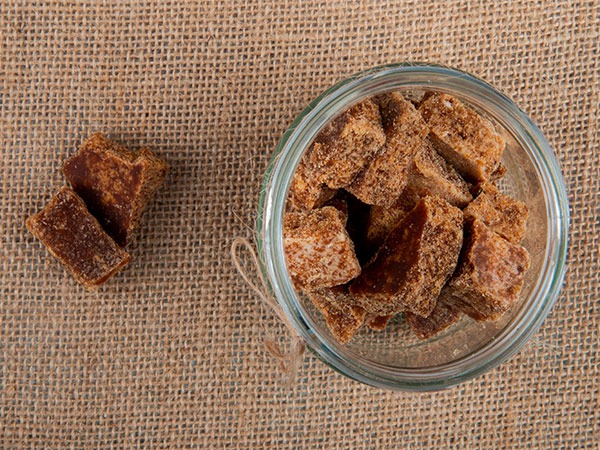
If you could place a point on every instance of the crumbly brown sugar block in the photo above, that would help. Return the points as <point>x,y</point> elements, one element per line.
<point>345,146</point>
<point>384,178</point>
<point>343,317</point>
<point>115,184</point>
<point>464,138</point>
<point>306,192</point>
<point>414,262</point>
<point>319,253</point>
<point>490,274</point>
<point>77,240</point>
<point>501,213</point>
<point>383,220</point>
<point>430,174</point>
<point>378,323</point>
<point>443,315</point>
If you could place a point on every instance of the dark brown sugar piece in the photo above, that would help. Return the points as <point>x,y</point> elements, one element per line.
<point>414,262</point>
<point>383,220</point>
<point>115,184</point>
<point>490,274</point>
<point>464,138</point>
<point>443,316</point>
<point>306,192</point>
<point>430,174</point>
<point>77,240</point>
<point>378,323</point>
<point>502,213</point>
<point>343,317</point>
<point>384,178</point>
<point>319,253</point>
<point>346,144</point>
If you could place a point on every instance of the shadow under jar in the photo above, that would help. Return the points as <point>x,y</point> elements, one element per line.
<point>395,358</point>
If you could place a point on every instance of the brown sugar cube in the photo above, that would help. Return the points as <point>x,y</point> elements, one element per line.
<point>491,272</point>
<point>346,144</point>
<point>384,178</point>
<point>383,220</point>
<point>343,317</point>
<point>378,323</point>
<point>503,214</point>
<point>443,315</point>
<point>430,174</point>
<point>306,192</point>
<point>115,184</point>
<point>77,240</point>
<point>318,250</point>
<point>460,305</point>
<point>499,172</point>
<point>414,262</point>
<point>464,138</point>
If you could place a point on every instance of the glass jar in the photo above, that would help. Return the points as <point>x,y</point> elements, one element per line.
<point>394,359</point>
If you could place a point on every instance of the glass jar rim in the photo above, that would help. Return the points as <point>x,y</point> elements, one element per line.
<point>287,156</point>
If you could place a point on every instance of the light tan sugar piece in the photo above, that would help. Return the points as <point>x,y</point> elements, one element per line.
<point>115,183</point>
<point>383,220</point>
<point>491,272</point>
<point>443,316</point>
<point>319,253</point>
<point>430,174</point>
<point>414,262</point>
<point>384,178</point>
<point>305,191</point>
<point>378,323</point>
<point>76,239</point>
<point>501,213</point>
<point>346,144</point>
<point>342,316</point>
<point>464,138</point>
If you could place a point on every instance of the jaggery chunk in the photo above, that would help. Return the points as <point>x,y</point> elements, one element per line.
<point>464,138</point>
<point>383,220</point>
<point>414,262</point>
<point>346,144</point>
<point>430,174</point>
<point>318,250</point>
<point>503,214</point>
<point>378,323</point>
<point>490,274</point>
<point>306,192</point>
<point>443,315</point>
<point>384,178</point>
<point>77,240</point>
<point>115,184</point>
<point>343,317</point>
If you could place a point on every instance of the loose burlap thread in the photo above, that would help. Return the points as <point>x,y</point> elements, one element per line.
<point>169,353</point>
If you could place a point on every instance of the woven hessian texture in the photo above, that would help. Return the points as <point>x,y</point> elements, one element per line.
<point>169,353</point>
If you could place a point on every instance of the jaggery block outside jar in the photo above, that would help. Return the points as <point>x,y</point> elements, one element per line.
<point>465,139</point>
<point>345,145</point>
<point>384,178</point>
<point>430,174</point>
<point>414,262</point>
<point>77,240</point>
<point>115,183</point>
<point>501,213</point>
<point>490,274</point>
<point>319,253</point>
<point>383,220</point>
<point>443,316</point>
<point>343,317</point>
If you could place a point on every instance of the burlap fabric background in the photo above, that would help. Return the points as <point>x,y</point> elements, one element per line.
<point>169,354</point>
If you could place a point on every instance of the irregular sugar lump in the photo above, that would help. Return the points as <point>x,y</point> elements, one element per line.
<point>414,262</point>
<point>77,240</point>
<point>319,253</point>
<point>385,176</point>
<point>443,315</point>
<point>464,138</point>
<point>490,274</point>
<point>306,192</point>
<point>115,184</point>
